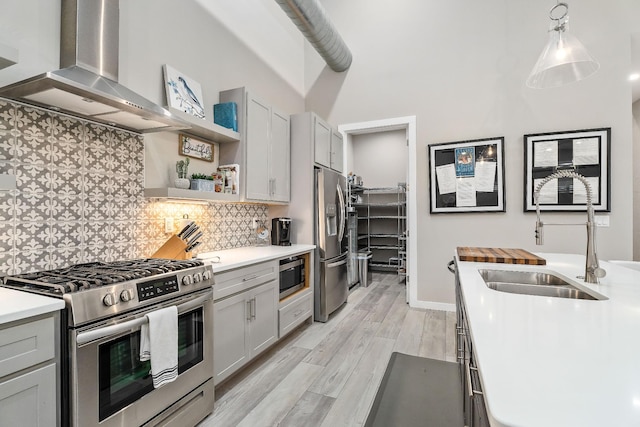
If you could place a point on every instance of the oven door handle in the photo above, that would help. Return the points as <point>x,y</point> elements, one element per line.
<point>94,334</point>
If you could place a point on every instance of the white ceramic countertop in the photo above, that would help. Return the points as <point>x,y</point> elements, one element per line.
<point>555,361</point>
<point>18,305</point>
<point>240,257</point>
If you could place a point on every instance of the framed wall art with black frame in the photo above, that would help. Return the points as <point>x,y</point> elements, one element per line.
<point>467,176</point>
<point>587,152</point>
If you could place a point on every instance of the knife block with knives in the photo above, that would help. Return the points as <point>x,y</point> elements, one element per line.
<point>179,246</point>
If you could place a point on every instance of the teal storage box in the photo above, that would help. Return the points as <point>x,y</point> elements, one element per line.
<point>226,115</point>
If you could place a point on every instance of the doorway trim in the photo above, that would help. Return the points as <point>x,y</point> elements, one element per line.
<point>407,123</point>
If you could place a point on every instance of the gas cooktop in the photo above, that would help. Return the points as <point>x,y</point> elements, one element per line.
<point>101,289</point>
<point>91,275</point>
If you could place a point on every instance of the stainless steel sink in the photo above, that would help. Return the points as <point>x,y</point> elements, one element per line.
<point>534,283</point>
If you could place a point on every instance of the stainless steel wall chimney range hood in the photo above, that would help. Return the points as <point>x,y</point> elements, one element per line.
<point>87,83</point>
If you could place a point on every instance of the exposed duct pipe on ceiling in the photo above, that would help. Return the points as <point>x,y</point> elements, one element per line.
<point>312,21</point>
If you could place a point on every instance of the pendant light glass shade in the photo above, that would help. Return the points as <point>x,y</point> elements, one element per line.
<point>564,59</point>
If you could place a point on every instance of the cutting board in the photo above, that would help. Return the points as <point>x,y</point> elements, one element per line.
<point>499,255</point>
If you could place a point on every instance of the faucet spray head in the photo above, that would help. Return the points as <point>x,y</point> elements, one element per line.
<point>539,233</point>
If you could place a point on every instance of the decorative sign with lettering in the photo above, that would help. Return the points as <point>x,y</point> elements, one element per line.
<point>193,147</point>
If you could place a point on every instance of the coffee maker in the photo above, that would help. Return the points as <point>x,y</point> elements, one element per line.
<point>281,231</point>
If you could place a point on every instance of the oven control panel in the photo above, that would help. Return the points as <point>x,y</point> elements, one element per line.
<point>158,287</point>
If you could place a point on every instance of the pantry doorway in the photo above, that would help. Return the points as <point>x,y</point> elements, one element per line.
<point>373,132</point>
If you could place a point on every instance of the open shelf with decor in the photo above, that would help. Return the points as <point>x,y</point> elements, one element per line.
<point>186,194</point>
<point>205,129</point>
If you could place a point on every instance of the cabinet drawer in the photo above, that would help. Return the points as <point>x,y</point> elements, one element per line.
<point>240,279</point>
<point>294,313</point>
<point>25,345</point>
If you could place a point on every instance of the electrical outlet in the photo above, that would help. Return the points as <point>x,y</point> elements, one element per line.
<point>601,220</point>
<point>254,223</point>
<point>168,225</point>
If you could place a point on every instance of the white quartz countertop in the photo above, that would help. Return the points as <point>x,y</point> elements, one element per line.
<point>18,305</point>
<point>554,361</point>
<point>240,257</point>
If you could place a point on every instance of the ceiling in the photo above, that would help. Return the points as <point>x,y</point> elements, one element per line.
<point>265,29</point>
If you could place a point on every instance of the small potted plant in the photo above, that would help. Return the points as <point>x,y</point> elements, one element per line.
<point>202,182</point>
<point>182,169</point>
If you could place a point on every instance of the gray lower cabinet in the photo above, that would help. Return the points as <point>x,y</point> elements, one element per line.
<point>29,399</point>
<point>295,310</point>
<point>245,324</point>
<point>475,412</point>
<point>29,372</point>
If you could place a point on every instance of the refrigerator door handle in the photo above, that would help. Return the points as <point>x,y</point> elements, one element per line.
<point>342,213</point>
<point>337,263</point>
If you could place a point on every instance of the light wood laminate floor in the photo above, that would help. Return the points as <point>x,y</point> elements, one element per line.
<point>327,374</point>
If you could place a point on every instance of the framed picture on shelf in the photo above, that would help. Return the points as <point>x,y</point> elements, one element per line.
<point>183,93</point>
<point>586,152</point>
<point>467,176</point>
<point>193,147</point>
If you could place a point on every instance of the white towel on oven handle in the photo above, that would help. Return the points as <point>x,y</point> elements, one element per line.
<point>159,343</point>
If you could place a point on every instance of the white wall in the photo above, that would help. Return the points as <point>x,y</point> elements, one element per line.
<point>380,158</point>
<point>32,27</point>
<point>186,36</point>
<point>460,67</point>
<point>267,31</point>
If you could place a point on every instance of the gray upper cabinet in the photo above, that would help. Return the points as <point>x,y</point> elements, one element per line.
<point>263,151</point>
<point>322,142</point>
<point>337,154</point>
<point>280,159</point>
<point>258,182</point>
<point>326,142</point>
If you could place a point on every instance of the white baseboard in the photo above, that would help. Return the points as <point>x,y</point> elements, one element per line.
<point>430,305</point>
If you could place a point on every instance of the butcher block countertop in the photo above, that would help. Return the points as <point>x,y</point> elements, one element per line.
<point>499,255</point>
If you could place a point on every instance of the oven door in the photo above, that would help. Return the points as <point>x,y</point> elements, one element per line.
<point>111,387</point>
<point>291,276</point>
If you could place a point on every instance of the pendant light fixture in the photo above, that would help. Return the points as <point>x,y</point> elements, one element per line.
<point>564,59</point>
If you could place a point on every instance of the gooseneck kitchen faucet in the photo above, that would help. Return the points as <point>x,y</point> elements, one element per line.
<point>592,270</point>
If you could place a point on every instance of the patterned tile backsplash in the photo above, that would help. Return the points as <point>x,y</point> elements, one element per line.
<point>79,196</point>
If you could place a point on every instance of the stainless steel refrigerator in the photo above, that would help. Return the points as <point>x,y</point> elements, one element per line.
<point>331,239</point>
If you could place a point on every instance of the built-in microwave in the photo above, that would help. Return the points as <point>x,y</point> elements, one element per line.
<point>291,275</point>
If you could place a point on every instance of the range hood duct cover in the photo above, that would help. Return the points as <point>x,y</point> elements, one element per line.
<point>87,83</point>
<point>312,21</point>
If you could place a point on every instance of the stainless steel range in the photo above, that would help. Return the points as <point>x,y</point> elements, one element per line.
<point>104,381</point>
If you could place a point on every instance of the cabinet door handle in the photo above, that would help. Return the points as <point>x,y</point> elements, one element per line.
<point>469,385</point>
<point>253,309</point>
<point>470,382</point>
<point>249,310</point>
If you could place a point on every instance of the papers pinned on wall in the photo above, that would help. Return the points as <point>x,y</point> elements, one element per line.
<point>467,176</point>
